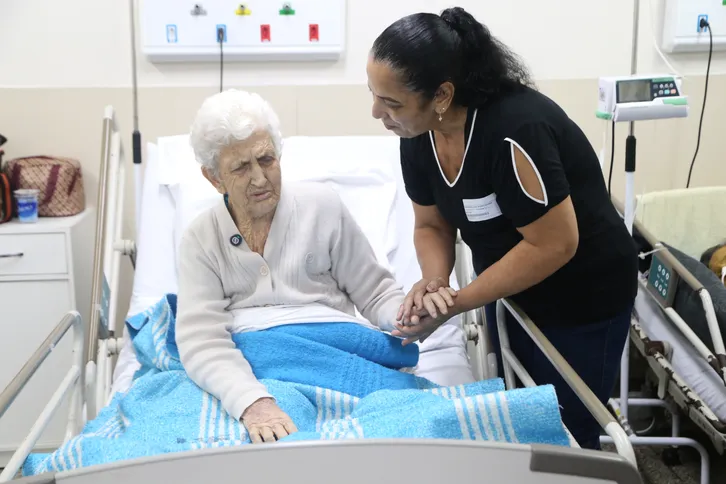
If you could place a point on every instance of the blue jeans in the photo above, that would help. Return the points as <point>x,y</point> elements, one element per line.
<point>592,349</point>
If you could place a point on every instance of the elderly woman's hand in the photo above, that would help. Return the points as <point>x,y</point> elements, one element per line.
<point>266,422</point>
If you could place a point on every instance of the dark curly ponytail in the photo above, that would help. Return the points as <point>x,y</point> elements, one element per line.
<point>429,49</point>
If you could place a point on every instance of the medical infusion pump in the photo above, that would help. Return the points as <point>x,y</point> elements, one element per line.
<point>640,97</point>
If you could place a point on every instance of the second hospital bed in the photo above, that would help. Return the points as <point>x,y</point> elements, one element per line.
<point>679,320</point>
<point>346,162</point>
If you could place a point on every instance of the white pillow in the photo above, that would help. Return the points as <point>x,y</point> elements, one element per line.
<point>362,170</point>
<point>175,158</point>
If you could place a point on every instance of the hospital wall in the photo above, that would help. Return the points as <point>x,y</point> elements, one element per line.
<point>62,62</point>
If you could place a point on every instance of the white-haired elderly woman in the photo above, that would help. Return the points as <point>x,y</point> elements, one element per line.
<point>269,254</point>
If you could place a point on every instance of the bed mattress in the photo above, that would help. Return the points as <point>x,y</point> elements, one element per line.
<point>443,358</point>
<point>686,361</point>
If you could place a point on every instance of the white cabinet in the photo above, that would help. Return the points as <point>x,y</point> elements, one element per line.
<point>45,271</point>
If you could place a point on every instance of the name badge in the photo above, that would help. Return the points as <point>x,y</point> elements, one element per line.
<point>482,209</point>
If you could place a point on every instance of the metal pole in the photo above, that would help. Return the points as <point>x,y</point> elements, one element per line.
<point>132,12</point>
<point>629,212</point>
<point>136,135</point>
<point>634,51</point>
<point>98,273</point>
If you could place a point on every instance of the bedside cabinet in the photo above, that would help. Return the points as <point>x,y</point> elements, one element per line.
<point>45,271</point>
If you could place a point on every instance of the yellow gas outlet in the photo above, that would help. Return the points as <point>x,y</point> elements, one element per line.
<point>242,10</point>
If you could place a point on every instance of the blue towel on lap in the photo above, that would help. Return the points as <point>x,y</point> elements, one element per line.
<point>335,380</point>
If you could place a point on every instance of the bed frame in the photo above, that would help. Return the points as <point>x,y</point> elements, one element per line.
<point>674,394</point>
<point>95,347</point>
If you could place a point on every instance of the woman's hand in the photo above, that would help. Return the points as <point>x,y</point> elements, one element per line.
<point>427,321</point>
<point>441,298</point>
<point>266,422</point>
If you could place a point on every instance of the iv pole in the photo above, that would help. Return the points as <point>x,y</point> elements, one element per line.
<point>136,136</point>
<point>630,143</point>
<point>629,215</point>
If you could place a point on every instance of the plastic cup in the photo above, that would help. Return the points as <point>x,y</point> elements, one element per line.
<point>27,200</point>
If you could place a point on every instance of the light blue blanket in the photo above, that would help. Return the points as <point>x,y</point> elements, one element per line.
<point>336,381</point>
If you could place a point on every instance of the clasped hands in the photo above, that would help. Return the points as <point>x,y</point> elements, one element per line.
<point>426,307</point>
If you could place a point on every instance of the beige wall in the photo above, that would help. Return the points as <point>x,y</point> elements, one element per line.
<point>55,83</point>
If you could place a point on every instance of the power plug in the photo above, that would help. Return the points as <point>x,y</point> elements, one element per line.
<point>703,24</point>
<point>221,33</point>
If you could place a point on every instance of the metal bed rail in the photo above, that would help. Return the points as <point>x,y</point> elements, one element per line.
<point>93,343</point>
<point>717,361</point>
<point>477,330</point>
<point>110,246</point>
<point>513,366</point>
<point>670,383</point>
<point>73,381</point>
<point>485,358</point>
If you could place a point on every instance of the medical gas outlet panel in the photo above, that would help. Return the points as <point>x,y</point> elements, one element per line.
<point>258,30</point>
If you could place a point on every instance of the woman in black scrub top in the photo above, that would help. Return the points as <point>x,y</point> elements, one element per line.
<point>483,152</point>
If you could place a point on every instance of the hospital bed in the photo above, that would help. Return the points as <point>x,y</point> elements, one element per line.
<point>366,172</point>
<point>689,371</point>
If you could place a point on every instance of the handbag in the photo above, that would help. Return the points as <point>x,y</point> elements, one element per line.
<point>59,181</point>
<point>6,199</point>
<point>6,195</point>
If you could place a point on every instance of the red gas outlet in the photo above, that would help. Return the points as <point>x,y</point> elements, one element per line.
<point>314,35</point>
<point>264,33</point>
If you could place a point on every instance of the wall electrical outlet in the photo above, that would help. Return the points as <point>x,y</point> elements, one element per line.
<point>171,36</point>
<point>224,33</point>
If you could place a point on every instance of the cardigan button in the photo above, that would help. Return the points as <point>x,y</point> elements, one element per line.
<point>264,270</point>
<point>309,257</point>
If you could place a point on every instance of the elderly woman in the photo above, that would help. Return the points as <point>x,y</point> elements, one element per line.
<point>268,254</point>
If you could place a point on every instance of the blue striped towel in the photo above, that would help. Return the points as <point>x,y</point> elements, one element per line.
<point>336,381</point>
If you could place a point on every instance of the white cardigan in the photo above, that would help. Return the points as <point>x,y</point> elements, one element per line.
<point>317,265</point>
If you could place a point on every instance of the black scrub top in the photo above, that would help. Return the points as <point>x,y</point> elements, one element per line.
<point>487,203</point>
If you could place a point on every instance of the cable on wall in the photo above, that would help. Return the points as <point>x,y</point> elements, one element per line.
<point>655,42</point>
<point>612,159</point>
<point>704,24</point>
<point>220,39</point>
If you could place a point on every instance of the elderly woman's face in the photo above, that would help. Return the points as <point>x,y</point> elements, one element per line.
<point>249,172</point>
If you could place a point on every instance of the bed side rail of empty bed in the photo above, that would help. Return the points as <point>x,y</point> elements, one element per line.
<point>717,361</point>
<point>73,381</point>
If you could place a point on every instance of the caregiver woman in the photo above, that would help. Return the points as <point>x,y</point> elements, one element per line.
<point>485,153</point>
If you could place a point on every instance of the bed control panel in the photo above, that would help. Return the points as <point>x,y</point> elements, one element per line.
<point>662,280</point>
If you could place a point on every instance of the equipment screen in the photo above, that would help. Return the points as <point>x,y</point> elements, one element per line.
<point>637,90</point>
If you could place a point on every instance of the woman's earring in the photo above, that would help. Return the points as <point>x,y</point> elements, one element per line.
<point>440,118</point>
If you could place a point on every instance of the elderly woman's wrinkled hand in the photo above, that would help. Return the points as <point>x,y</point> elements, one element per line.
<point>266,422</point>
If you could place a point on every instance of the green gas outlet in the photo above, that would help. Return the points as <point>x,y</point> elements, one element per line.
<point>288,10</point>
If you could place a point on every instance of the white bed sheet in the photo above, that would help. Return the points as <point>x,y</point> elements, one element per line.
<point>686,361</point>
<point>443,357</point>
